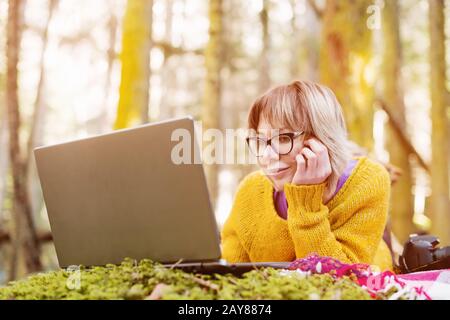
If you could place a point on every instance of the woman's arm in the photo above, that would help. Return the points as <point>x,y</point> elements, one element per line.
<point>360,227</point>
<point>232,248</point>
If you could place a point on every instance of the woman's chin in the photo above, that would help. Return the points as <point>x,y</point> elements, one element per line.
<point>279,183</point>
<point>281,178</point>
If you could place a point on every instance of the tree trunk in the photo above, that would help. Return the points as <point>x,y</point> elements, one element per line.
<point>168,77</point>
<point>38,120</point>
<point>40,103</point>
<point>295,47</point>
<point>4,157</point>
<point>402,201</point>
<point>111,57</point>
<point>212,95</point>
<point>264,73</point>
<point>304,61</point>
<point>135,57</point>
<point>346,64</point>
<point>21,203</point>
<point>440,207</point>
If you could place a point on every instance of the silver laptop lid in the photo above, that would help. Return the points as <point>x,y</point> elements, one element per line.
<point>120,195</point>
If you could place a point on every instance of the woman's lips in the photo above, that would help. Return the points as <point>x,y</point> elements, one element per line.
<point>278,173</point>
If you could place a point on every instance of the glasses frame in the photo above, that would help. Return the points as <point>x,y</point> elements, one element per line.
<point>268,142</point>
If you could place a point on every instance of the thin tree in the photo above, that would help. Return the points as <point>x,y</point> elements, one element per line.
<point>135,57</point>
<point>168,79</point>
<point>4,155</point>
<point>37,123</point>
<point>264,73</point>
<point>25,232</point>
<point>212,95</point>
<point>111,57</point>
<point>440,206</point>
<point>401,211</point>
<point>345,62</point>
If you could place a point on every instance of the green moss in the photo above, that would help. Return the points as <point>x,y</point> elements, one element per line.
<point>132,280</point>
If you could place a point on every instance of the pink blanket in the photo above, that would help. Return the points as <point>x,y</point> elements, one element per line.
<point>387,285</point>
<point>435,283</point>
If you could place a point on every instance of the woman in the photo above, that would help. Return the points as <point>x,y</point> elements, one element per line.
<point>311,195</point>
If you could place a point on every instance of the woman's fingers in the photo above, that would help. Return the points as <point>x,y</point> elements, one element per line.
<point>313,163</point>
<point>301,167</point>
<point>311,159</point>
<point>323,158</point>
<point>301,163</point>
<point>320,150</point>
<point>316,146</point>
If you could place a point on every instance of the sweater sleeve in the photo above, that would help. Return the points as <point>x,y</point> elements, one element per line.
<point>232,248</point>
<point>355,238</point>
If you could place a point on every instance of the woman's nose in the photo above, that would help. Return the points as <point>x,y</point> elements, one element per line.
<point>269,154</point>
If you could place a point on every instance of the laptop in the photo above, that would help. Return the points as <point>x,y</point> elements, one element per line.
<point>121,195</point>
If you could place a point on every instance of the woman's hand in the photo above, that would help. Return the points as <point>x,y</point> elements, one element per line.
<point>313,163</point>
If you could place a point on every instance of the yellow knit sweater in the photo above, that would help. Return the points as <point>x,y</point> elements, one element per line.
<point>349,227</point>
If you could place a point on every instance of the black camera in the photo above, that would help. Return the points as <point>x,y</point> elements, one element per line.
<point>421,253</point>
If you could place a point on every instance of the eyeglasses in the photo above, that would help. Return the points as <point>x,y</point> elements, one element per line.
<point>282,144</point>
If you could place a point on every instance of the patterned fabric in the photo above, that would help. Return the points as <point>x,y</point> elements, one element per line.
<point>378,283</point>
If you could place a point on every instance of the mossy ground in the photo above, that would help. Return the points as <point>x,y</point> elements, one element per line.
<point>149,280</point>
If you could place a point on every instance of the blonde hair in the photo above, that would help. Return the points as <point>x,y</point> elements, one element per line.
<point>310,107</point>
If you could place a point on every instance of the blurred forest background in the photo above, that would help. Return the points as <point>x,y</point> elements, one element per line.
<point>74,68</point>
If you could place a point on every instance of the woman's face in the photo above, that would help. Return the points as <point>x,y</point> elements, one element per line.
<point>280,169</point>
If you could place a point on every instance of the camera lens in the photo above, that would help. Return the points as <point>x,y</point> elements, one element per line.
<point>442,253</point>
